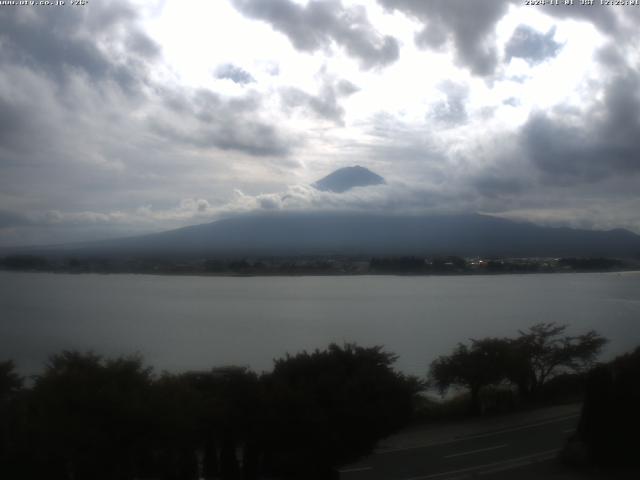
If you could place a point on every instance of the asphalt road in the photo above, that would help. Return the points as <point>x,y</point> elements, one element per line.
<point>464,457</point>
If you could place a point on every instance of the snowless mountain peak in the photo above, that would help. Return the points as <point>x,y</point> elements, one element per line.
<point>347,178</point>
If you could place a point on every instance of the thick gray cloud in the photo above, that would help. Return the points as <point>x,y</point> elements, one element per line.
<point>603,17</point>
<point>63,71</point>
<point>92,144</point>
<point>325,104</point>
<point>505,172</point>
<point>495,184</point>
<point>14,125</point>
<point>85,129</point>
<point>470,26</point>
<point>409,150</point>
<point>320,23</point>
<point>64,46</point>
<point>207,120</point>
<point>610,56</point>
<point>467,25</point>
<point>531,45</point>
<point>57,42</point>
<point>589,146</point>
<point>234,73</point>
<point>453,110</point>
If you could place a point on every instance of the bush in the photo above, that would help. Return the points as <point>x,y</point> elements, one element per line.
<point>330,407</point>
<point>565,388</point>
<point>610,422</point>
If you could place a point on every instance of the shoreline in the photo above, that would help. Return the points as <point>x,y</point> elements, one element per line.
<point>633,271</point>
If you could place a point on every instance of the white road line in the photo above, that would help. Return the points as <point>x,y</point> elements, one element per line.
<point>480,435</point>
<point>494,466</point>
<point>356,469</point>
<point>475,451</point>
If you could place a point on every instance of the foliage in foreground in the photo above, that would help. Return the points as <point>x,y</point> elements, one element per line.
<point>607,433</point>
<point>88,417</point>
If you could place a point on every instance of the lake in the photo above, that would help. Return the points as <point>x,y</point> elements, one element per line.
<point>192,322</point>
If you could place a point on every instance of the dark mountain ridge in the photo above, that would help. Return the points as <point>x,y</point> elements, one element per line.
<point>296,234</point>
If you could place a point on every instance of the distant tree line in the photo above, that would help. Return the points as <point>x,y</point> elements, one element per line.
<point>88,417</point>
<point>314,265</point>
<point>25,262</point>
<point>447,264</point>
<point>594,264</point>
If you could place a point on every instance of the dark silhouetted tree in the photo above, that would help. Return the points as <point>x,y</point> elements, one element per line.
<point>10,381</point>
<point>177,408</point>
<point>11,425</point>
<point>90,416</point>
<point>331,406</point>
<point>610,421</point>
<point>544,351</point>
<point>481,364</point>
<point>225,414</point>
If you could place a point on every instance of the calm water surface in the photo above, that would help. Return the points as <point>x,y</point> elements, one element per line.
<point>180,323</point>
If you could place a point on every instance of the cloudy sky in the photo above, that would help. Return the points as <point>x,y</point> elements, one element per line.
<point>122,117</point>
